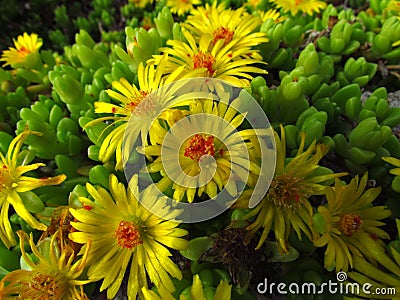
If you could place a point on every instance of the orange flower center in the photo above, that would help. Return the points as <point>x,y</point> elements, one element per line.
<point>204,60</point>
<point>298,2</point>
<point>23,51</point>
<point>134,102</point>
<point>43,286</point>
<point>200,145</point>
<point>222,33</point>
<point>286,191</point>
<point>128,235</point>
<point>350,224</point>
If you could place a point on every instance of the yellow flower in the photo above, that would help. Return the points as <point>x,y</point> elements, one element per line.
<point>209,161</point>
<point>395,162</point>
<point>253,3</point>
<point>394,6</point>
<point>223,291</point>
<point>163,294</point>
<point>141,3</point>
<point>235,27</point>
<point>207,8</point>
<point>305,6</point>
<point>182,7</point>
<point>271,14</point>
<point>24,46</point>
<point>385,275</point>
<point>286,204</point>
<point>54,276</point>
<point>349,216</point>
<point>129,97</point>
<point>12,183</point>
<point>395,171</point>
<point>213,60</point>
<point>388,280</point>
<point>122,231</point>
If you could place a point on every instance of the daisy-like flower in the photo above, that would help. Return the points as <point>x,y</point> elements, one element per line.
<point>394,6</point>
<point>382,277</point>
<point>219,157</point>
<point>123,232</point>
<point>206,9</point>
<point>26,48</point>
<point>129,97</point>
<point>182,7</point>
<point>51,276</point>
<point>286,204</point>
<point>348,216</point>
<point>385,274</point>
<point>12,183</point>
<point>235,27</point>
<point>305,6</point>
<point>271,14</point>
<point>214,60</point>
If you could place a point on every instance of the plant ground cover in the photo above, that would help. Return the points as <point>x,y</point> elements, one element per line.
<point>89,96</point>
